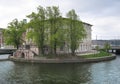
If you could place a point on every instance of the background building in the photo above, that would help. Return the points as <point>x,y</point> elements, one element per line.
<point>101,43</point>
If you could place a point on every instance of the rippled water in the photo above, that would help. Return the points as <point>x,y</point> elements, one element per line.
<point>93,73</point>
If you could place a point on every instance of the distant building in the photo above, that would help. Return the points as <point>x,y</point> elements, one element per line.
<point>101,43</point>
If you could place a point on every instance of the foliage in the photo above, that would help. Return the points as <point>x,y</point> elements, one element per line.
<point>48,28</point>
<point>76,31</point>
<point>107,46</point>
<point>55,27</point>
<point>97,48</point>
<point>13,35</point>
<point>100,54</point>
<point>37,25</point>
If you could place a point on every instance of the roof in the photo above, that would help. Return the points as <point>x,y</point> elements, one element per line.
<point>81,21</point>
<point>87,24</point>
<point>2,28</point>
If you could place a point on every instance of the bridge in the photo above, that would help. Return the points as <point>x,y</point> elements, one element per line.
<point>115,49</point>
<point>115,45</point>
<point>7,51</point>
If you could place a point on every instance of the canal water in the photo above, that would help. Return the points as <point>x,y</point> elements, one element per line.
<point>107,72</point>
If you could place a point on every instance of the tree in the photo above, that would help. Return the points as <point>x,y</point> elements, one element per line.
<point>37,25</point>
<point>97,48</point>
<point>76,31</point>
<point>13,35</point>
<point>107,46</point>
<point>47,27</point>
<point>54,19</point>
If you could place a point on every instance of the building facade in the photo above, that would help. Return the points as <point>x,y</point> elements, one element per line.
<point>1,38</point>
<point>84,46</point>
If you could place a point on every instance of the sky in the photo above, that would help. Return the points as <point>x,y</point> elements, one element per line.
<point>104,15</point>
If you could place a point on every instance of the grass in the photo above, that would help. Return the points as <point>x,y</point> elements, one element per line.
<point>60,56</point>
<point>67,56</point>
<point>100,54</point>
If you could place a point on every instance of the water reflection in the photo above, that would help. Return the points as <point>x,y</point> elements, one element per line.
<point>48,74</point>
<point>107,72</point>
<point>5,68</point>
<point>4,56</point>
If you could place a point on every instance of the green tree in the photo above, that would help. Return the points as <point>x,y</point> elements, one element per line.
<point>97,48</point>
<point>13,35</point>
<point>47,27</point>
<point>107,46</point>
<point>54,20</point>
<point>37,27</point>
<point>76,31</point>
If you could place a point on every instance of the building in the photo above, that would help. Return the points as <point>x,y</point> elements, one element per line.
<point>101,43</point>
<point>1,38</point>
<point>31,49</point>
<point>85,44</point>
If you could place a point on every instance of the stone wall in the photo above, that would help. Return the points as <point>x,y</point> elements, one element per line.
<point>23,53</point>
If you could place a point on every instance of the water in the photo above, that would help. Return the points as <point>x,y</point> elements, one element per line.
<point>93,73</point>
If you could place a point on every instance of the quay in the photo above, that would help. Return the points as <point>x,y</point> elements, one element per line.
<point>56,60</point>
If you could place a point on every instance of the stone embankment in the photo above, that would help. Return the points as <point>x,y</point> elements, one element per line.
<point>66,60</point>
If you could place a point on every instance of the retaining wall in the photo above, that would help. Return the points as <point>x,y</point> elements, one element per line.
<point>90,60</point>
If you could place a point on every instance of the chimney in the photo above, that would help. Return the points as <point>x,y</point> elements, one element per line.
<point>25,21</point>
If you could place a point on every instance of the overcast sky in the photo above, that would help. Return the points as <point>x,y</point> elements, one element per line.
<point>104,15</point>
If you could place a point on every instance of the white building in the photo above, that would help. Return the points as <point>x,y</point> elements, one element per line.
<point>86,44</point>
<point>1,37</point>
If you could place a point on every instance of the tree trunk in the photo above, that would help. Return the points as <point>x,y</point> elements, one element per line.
<point>73,52</point>
<point>39,51</point>
<point>17,47</point>
<point>42,50</point>
<point>55,47</point>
